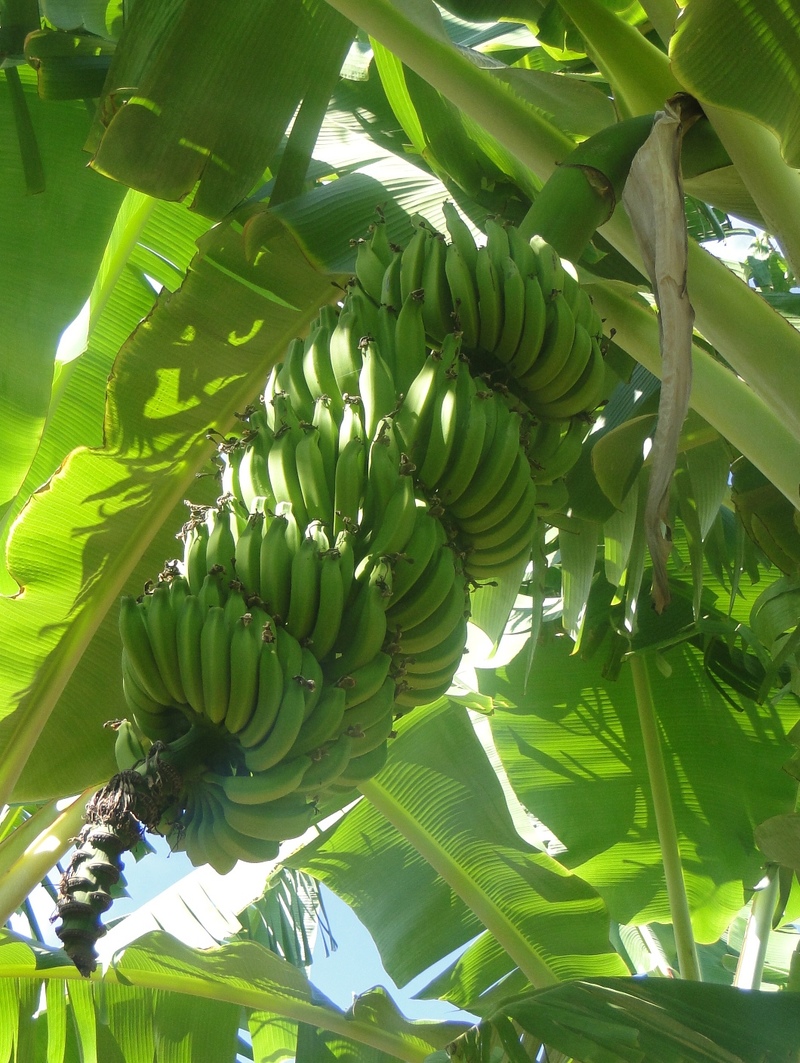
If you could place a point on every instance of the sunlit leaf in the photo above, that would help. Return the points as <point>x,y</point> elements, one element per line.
<point>572,750</point>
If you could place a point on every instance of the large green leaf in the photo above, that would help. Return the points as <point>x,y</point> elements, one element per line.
<point>762,82</point>
<point>199,357</point>
<point>210,92</point>
<point>149,239</point>
<point>187,1001</point>
<point>437,855</point>
<point>573,751</point>
<point>662,1021</point>
<point>51,240</point>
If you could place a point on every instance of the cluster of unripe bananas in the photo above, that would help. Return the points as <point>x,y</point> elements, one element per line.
<point>402,454</point>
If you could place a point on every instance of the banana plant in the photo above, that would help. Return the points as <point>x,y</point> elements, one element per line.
<point>216,216</point>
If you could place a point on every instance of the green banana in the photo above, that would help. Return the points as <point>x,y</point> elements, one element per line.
<point>410,347</point>
<point>383,472</point>
<point>522,514</point>
<point>559,335</point>
<point>161,624</point>
<point>304,597</point>
<point>444,654</point>
<point>379,242</point>
<point>275,561</point>
<point>548,266</point>
<point>442,431</point>
<point>246,645</point>
<point>216,664</point>
<point>507,496</point>
<point>533,326</point>
<point>291,378</point>
<point>322,724</point>
<point>391,287</point>
<point>428,594</point>
<point>345,354</point>
<point>271,681</point>
<point>269,785</point>
<point>328,438</point>
<point>460,234</point>
<point>195,545</point>
<point>412,264</point>
<point>331,760</point>
<point>223,531</point>
<point>369,270</point>
<point>287,817</point>
<point>312,477</point>
<point>311,679</point>
<point>331,604</point>
<point>188,629</point>
<point>465,296</point>
<point>284,731</point>
<point>427,536</point>
<point>366,680</point>
<point>436,627</point>
<point>495,466</point>
<point>139,651</point>
<point>399,519</point>
<point>248,553</point>
<point>513,285</point>
<point>349,485</point>
<point>364,767</point>
<point>128,748</point>
<point>371,709</point>
<point>585,395</point>
<point>364,741</point>
<point>242,846</point>
<point>376,387</point>
<point>490,300</point>
<point>470,431</point>
<point>437,306</point>
<point>366,630</point>
<point>568,376</point>
<point>283,477</point>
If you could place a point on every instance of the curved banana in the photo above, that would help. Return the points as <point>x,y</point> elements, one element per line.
<point>490,300</point>
<point>376,387</point>
<point>139,651</point>
<point>437,306</point>
<point>275,567</point>
<point>269,785</point>
<point>312,477</point>
<point>464,292</point>
<point>413,263</point>
<point>304,597</point>
<point>322,724</point>
<point>571,372</point>
<point>436,627</point>
<point>161,623</point>
<point>331,604</point>
<point>280,739</point>
<point>331,760</point>
<point>248,553</point>
<point>559,335</point>
<point>215,664</point>
<point>271,681</point>
<point>188,629</point>
<point>366,680</point>
<point>349,485</point>
<point>410,348</point>
<point>246,645</point>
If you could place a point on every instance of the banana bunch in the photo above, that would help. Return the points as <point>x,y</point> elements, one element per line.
<point>384,471</point>
<point>522,316</point>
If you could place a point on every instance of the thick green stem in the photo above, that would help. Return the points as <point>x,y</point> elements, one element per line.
<point>756,936</point>
<point>582,193</point>
<point>665,821</point>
